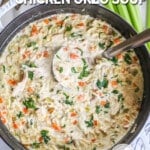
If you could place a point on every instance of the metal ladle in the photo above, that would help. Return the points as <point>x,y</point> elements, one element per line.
<point>130,43</point>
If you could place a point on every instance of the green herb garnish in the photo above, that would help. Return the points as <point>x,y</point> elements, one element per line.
<point>31,44</point>
<point>84,72</point>
<point>30,64</point>
<point>35,145</point>
<point>73,70</point>
<point>103,83</point>
<point>60,69</point>
<point>98,109</point>
<point>115,91</point>
<point>4,69</point>
<point>120,97</point>
<point>30,75</point>
<point>107,105</point>
<point>114,60</point>
<point>68,28</point>
<point>128,59</point>
<point>90,122</point>
<point>44,134</point>
<point>29,103</point>
<point>101,45</point>
<point>20,114</point>
<point>67,100</point>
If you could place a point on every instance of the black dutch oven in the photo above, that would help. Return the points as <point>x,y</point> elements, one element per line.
<point>95,11</point>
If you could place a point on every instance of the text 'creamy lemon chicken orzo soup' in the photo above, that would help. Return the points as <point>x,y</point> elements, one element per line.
<point>91,107</point>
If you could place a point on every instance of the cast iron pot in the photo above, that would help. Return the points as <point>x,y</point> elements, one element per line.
<point>95,11</point>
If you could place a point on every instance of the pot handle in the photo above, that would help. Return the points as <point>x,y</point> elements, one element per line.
<point>6,7</point>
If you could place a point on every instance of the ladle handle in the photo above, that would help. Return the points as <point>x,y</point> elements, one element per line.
<point>128,44</point>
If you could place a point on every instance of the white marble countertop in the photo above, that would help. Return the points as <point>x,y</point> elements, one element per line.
<point>141,142</point>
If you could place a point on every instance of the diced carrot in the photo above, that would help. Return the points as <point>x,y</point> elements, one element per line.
<point>12,82</point>
<point>80,24</point>
<point>103,103</point>
<point>80,97</point>
<point>45,54</point>
<point>56,127</point>
<point>73,114</point>
<point>73,56</point>
<point>74,122</point>
<point>135,58</point>
<point>34,30</point>
<point>93,140</point>
<point>114,83</point>
<point>95,122</point>
<point>1,100</point>
<point>46,21</point>
<point>117,41</point>
<point>30,90</point>
<point>60,23</point>
<point>40,139</point>
<point>25,110</point>
<point>82,84</point>
<point>105,28</point>
<point>119,56</point>
<point>15,125</point>
<point>26,54</point>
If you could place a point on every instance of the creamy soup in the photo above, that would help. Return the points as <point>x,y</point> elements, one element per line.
<point>89,107</point>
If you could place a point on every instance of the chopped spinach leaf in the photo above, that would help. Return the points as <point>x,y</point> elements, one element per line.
<point>115,91</point>
<point>84,72</point>
<point>81,51</point>
<point>29,103</point>
<point>103,83</point>
<point>101,45</point>
<point>114,60</point>
<point>4,69</point>
<point>44,134</point>
<point>20,114</point>
<point>35,145</point>
<point>31,44</point>
<point>120,97</point>
<point>30,75</point>
<point>60,70</point>
<point>128,59</point>
<point>107,105</point>
<point>30,64</point>
<point>90,122</point>
<point>68,102</point>
<point>73,70</point>
<point>98,109</point>
<point>68,28</point>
